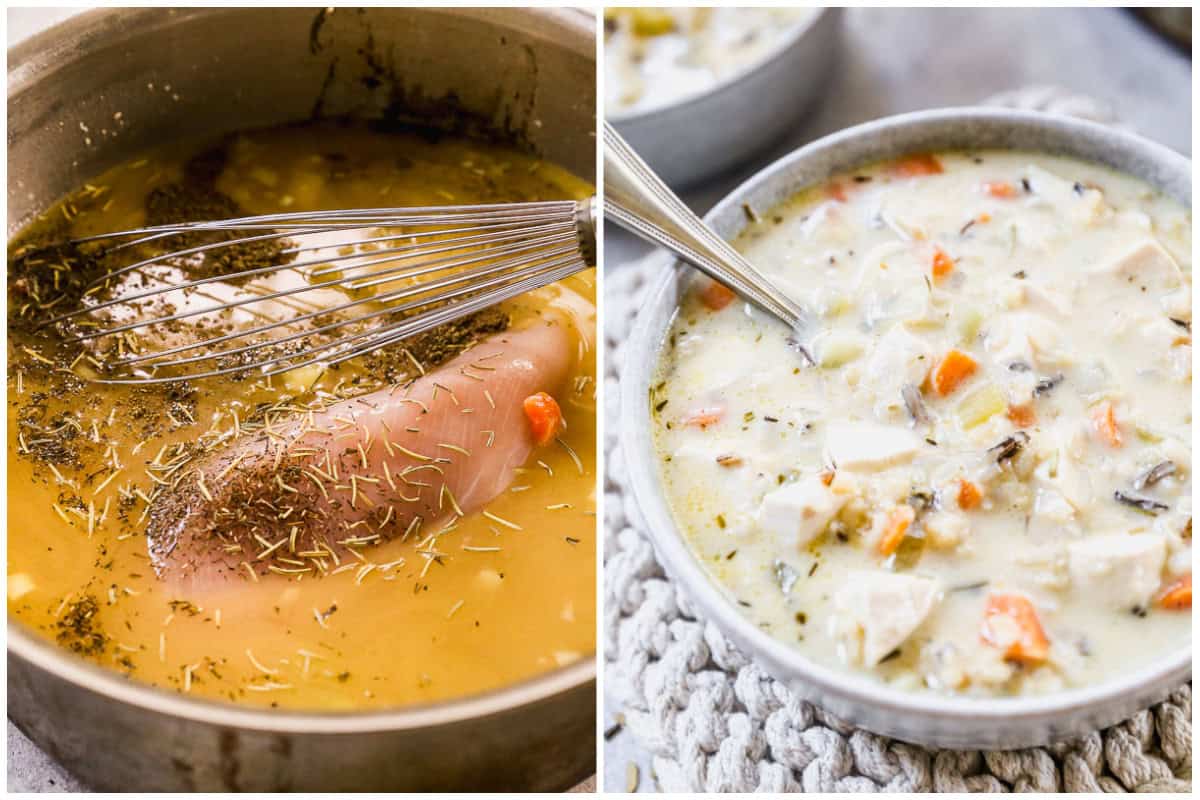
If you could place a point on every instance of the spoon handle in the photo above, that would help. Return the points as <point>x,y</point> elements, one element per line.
<point>637,200</point>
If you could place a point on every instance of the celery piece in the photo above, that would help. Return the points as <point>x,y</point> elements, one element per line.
<point>980,406</point>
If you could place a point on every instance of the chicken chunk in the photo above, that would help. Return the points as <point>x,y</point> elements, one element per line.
<point>1082,204</point>
<point>1121,570</point>
<point>1146,263</point>
<point>798,512</point>
<point>868,446</point>
<point>875,611</point>
<point>898,358</point>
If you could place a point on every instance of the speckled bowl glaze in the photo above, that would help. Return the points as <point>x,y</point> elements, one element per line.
<point>927,719</point>
<point>701,135</point>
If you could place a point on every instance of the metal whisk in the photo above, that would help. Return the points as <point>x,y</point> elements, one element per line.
<point>335,285</point>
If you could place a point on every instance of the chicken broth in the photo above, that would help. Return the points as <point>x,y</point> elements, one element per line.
<point>386,610</point>
<point>983,483</point>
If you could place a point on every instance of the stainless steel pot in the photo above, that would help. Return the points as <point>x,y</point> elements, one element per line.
<point>926,719</point>
<point>702,135</point>
<point>189,72</point>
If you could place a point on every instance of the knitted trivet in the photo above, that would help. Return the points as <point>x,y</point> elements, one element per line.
<point>715,721</point>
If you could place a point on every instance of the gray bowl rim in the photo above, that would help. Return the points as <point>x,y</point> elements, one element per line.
<point>680,563</point>
<point>731,81</point>
<point>24,644</point>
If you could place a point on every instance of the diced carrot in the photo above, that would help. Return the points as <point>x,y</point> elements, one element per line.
<point>916,165</point>
<point>1031,645</point>
<point>704,417</point>
<point>1000,189</point>
<point>984,218</point>
<point>898,521</point>
<point>954,368</point>
<point>827,476</point>
<point>1104,420</point>
<point>1023,415</point>
<point>943,264</point>
<point>716,296</point>
<point>836,190</point>
<point>1177,595</point>
<point>969,495</point>
<point>545,417</point>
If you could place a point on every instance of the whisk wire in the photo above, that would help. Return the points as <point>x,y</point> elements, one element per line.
<point>380,276</point>
<point>401,331</point>
<point>453,261</point>
<point>371,217</point>
<point>389,297</point>
<point>398,331</point>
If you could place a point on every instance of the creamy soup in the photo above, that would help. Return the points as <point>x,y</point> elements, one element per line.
<point>983,484</point>
<point>658,56</point>
<point>413,525</point>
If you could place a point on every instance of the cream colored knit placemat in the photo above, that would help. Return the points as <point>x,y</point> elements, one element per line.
<point>715,721</point>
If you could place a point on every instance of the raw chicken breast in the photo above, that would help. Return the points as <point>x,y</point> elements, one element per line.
<point>398,462</point>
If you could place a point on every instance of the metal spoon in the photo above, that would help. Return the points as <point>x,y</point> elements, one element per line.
<point>637,200</point>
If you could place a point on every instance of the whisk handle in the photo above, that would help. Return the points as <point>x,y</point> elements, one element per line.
<point>637,200</point>
<point>586,212</point>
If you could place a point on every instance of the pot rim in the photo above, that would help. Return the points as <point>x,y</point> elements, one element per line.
<point>39,50</point>
<point>728,83</point>
<point>26,645</point>
<point>29,60</point>
<point>645,479</point>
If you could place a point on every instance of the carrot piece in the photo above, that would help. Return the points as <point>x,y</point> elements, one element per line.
<point>984,217</point>
<point>1104,420</point>
<point>1031,645</point>
<point>969,495</point>
<point>898,521</point>
<point>943,264</point>
<point>1178,595</point>
<point>954,368</point>
<point>1023,415</point>
<point>836,190</point>
<point>704,417</point>
<point>545,417</point>
<point>1000,189</point>
<point>916,165</point>
<point>715,296</point>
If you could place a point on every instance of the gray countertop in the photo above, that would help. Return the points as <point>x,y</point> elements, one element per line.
<point>896,60</point>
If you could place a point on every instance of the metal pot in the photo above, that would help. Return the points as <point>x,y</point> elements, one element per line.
<point>702,135</point>
<point>927,719</point>
<point>105,85</point>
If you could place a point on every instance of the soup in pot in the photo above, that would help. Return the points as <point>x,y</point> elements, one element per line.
<point>412,525</point>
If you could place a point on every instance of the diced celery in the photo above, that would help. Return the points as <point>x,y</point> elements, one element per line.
<point>834,303</point>
<point>909,553</point>
<point>302,379</point>
<point>652,21</point>
<point>980,406</point>
<point>968,321</point>
<point>1147,435</point>
<point>837,350</point>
